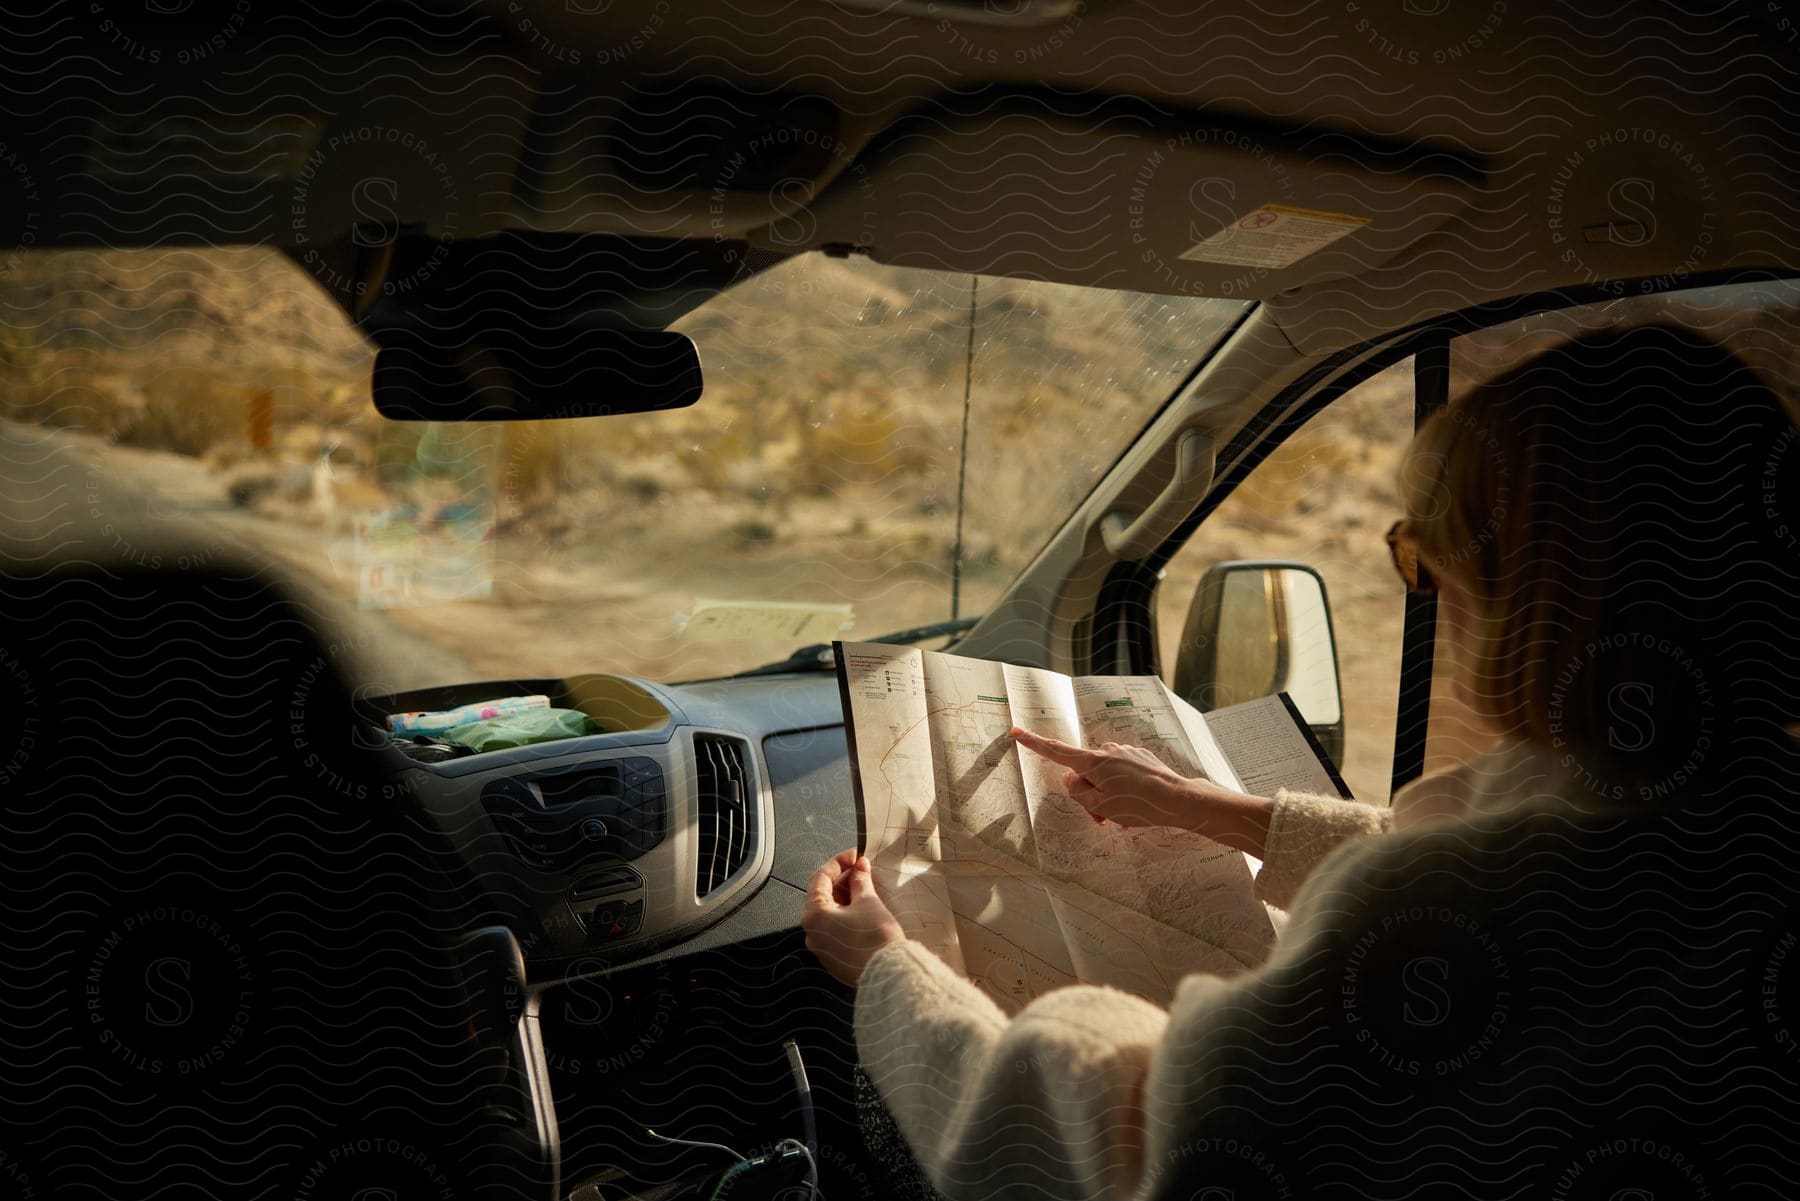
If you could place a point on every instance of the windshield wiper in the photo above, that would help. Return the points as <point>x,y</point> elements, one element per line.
<point>818,657</point>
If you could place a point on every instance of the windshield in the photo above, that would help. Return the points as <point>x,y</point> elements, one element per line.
<point>813,492</point>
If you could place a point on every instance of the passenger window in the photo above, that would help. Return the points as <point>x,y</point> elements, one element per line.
<point>1325,498</point>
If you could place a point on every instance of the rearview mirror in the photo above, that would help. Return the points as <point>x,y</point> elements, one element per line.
<point>1256,628</point>
<point>532,374</point>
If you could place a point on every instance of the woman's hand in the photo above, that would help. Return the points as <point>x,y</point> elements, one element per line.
<point>1131,786</point>
<point>1125,784</point>
<point>845,922</point>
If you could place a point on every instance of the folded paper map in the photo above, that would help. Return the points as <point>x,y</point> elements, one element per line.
<point>984,857</point>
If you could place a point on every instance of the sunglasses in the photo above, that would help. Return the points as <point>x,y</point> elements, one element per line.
<point>1408,562</point>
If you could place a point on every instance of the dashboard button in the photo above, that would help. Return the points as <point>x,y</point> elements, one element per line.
<point>631,916</point>
<point>616,919</point>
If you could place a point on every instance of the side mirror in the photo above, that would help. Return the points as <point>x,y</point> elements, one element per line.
<point>1256,628</point>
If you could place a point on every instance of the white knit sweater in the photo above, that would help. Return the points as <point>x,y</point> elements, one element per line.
<point>1086,1088</point>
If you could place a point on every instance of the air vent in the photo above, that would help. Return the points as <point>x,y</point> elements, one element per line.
<point>725,810</point>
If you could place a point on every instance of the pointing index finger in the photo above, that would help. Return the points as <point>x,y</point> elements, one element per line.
<point>1057,752</point>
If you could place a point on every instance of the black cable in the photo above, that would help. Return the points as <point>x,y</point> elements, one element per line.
<point>809,1120</point>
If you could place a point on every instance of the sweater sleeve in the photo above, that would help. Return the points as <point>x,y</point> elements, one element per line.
<point>1303,830</point>
<point>1048,1104</point>
<point>1089,1092</point>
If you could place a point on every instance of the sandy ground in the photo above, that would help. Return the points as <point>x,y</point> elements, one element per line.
<point>599,600</point>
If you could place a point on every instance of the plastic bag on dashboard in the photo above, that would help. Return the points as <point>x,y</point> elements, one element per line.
<point>522,729</point>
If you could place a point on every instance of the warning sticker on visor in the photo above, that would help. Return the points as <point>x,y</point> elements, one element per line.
<point>1275,235</point>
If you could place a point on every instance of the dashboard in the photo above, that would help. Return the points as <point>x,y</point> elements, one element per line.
<point>694,818</point>
<point>641,892</point>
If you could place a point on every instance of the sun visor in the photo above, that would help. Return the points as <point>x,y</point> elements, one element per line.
<point>684,158</point>
<point>1132,198</point>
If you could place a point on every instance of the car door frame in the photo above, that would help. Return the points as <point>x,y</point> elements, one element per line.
<point>1122,631</point>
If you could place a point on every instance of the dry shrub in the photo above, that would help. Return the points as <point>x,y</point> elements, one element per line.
<point>187,407</point>
<point>171,403</point>
<point>1304,472</point>
<point>753,532</point>
<point>71,395</point>
<point>867,443</point>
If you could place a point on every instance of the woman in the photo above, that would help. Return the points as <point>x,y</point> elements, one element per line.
<point>1496,985</point>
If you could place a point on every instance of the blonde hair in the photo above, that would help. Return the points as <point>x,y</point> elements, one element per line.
<point>1598,505</point>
